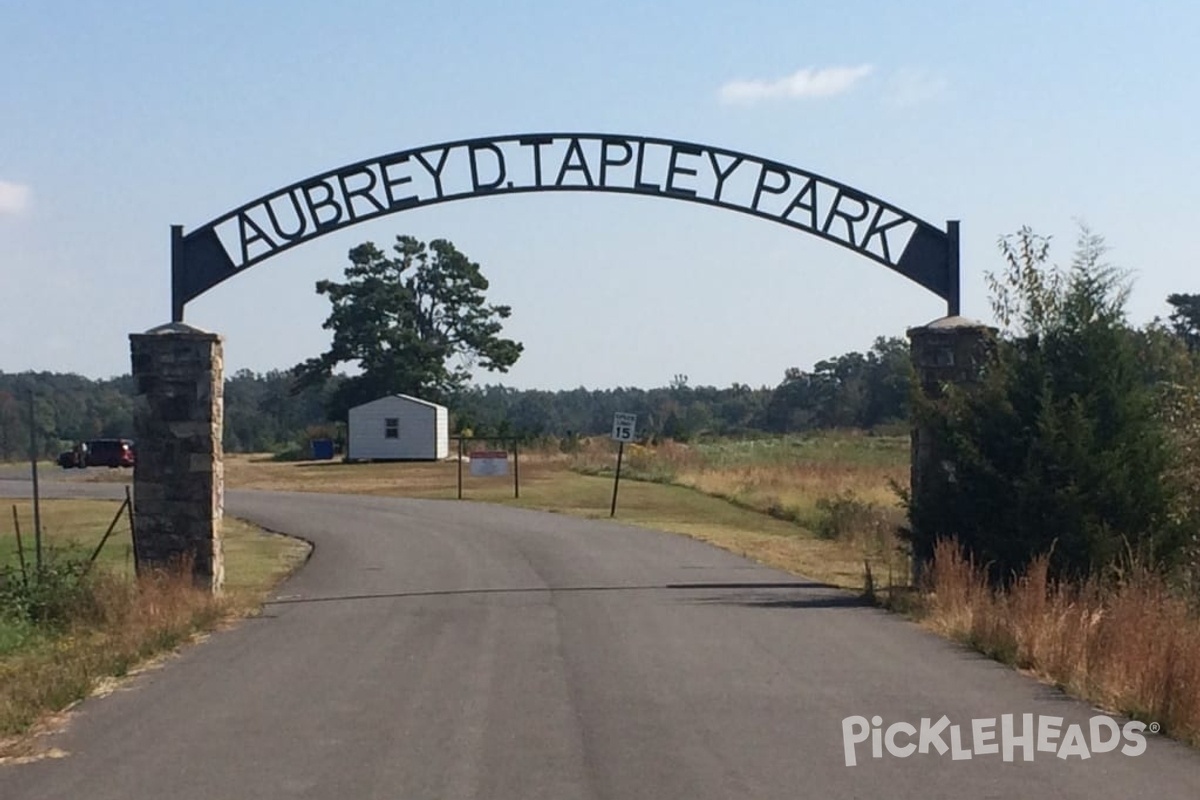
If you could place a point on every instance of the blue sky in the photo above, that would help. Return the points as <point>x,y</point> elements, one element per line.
<point>119,119</point>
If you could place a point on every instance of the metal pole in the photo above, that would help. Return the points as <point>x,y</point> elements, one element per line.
<point>177,301</point>
<point>953,304</point>
<point>111,526</point>
<point>460,440</point>
<point>37,504</point>
<point>617,479</point>
<point>516,471</point>
<point>137,559</point>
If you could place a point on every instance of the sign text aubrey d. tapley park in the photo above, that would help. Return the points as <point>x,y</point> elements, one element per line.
<point>455,171</point>
<point>574,162</point>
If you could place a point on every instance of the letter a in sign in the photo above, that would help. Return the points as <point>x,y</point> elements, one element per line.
<point>623,427</point>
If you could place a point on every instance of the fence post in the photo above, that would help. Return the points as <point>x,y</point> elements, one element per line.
<point>137,560</point>
<point>20,548</point>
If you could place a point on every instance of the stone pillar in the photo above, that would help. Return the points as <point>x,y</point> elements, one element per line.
<point>950,350</point>
<point>178,478</point>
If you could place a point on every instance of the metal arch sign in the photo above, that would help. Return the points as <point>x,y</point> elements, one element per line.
<point>563,162</point>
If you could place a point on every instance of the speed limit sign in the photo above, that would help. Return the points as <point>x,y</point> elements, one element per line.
<point>623,427</point>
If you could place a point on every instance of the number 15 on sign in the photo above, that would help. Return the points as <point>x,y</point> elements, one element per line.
<point>623,427</point>
<point>622,432</point>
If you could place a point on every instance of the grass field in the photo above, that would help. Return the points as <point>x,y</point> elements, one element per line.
<point>254,559</point>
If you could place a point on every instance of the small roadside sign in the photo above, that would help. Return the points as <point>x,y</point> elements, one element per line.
<point>623,426</point>
<point>489,462</point>
<point>622,432</point>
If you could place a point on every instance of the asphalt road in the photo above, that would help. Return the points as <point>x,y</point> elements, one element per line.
<point>440,650</point>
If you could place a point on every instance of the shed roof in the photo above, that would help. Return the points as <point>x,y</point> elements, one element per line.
<point>407,397</point>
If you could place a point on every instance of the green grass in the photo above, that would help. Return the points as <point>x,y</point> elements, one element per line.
<point>70,528</point>
<point>821,448</point>
<point>257,560</point>
<point>254,558</point>
<point>18,635</point>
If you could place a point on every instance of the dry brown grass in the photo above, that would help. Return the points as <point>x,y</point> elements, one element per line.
<point>789,485</point>
<point>1131,646</point>
<point>124,624</point>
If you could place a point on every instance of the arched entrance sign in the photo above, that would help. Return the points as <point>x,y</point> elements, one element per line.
<point>178,370</point>
<point>563,162</point>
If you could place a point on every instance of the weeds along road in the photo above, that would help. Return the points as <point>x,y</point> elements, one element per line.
<point>441,650</point>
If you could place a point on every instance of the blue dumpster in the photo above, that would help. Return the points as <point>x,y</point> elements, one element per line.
<point>322,449</point>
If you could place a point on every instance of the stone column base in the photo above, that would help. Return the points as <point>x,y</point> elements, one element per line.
<point>950,350</point>
<point>178,477</point>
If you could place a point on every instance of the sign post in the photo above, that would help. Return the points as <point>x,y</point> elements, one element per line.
<point>622,432</point>
<point>489,463</point>
<point>460,458</point>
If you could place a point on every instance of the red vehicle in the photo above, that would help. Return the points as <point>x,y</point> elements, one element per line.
<point>69,459</point>
<point>108,453</point>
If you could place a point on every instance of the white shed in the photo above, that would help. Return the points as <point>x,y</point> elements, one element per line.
<point>398,427</point>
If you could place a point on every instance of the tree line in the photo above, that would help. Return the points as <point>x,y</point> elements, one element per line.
<point>265,413</point>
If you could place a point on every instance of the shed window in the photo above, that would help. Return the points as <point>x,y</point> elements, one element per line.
<point>391,428</point>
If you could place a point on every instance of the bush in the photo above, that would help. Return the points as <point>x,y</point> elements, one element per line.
<point>1060,446</point>
<point>61,591</point>
<point>848,518</point>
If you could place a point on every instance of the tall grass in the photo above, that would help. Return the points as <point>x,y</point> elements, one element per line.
<point>788,475</point>
<point>1130,644</point>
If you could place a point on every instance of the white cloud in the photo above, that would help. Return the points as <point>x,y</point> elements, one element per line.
<point>13,197</point>
<point>824,82</point>
<point>912,87</point>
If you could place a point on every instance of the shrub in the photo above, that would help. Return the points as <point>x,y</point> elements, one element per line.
<point>848,518</point>
<point>59,592</point>
<point>1061,441</point>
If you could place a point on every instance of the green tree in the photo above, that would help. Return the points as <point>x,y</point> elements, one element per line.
<point>1061,448</point>
<point>1185,318</point>
<point>889,380</point>
<point>792,405</point>
<point>416,323</point>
